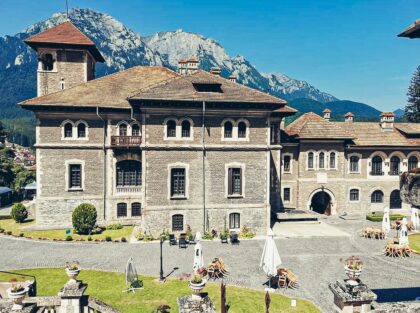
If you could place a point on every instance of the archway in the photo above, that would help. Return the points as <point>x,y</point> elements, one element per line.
<point>321,202</point>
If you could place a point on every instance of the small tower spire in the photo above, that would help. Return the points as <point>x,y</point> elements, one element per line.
<point>67,9</point>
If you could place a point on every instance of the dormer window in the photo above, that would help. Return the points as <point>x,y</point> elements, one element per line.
<point>208,87</point>
<point>47,62</point>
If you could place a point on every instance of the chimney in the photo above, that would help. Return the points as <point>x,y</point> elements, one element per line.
<point>348,117</point>
<point>327,114</point>
<point>215,70</point>
<point>232,78</point>
<point>387,121</point>
<point>188,66</point>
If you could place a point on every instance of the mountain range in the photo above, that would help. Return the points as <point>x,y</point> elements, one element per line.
<point>123,48</point>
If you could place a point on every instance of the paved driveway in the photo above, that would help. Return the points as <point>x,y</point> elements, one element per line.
<point>315,260</point>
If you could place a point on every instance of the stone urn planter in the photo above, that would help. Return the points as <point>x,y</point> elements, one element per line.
<point>352,274</point>
<point>17,296</point>
<point>72,273</point>
<point>196,288</point>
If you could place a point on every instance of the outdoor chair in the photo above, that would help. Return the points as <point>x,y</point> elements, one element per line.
<point>282,282</point>
<point>172,240</point>
<point>182,241</point>
<point>234,238</point>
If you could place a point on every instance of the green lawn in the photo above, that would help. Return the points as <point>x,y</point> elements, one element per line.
<point>414,241</point>
<point>16,229</point>
<point>108,286</point>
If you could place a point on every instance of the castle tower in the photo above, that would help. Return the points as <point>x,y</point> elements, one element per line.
<point>66,58</point>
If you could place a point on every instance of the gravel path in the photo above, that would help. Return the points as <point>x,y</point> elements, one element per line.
<point>315,260</point>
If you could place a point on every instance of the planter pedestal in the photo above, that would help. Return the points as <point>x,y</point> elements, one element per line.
<point>197,303</point>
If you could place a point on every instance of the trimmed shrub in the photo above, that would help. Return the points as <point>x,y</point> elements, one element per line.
<point>84,218</point>
<point>108,238</point>
<point>89,238</point>
<point>379,217</point>
<point>69,238</point>
<point>19,212</point>
<point>123,239</point>
<point>114,226</point>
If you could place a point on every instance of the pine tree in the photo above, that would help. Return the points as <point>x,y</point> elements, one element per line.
<point>412,109</point>
<point>2,133</point>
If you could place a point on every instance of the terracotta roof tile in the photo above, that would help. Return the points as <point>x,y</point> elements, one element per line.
<point>388,114</point>
<point>181,88</point>
<point>408,128</point>
<point>326,110</point>
<point>349,114</point>
<point>312,126</point>
<point>65,34</point>
<point>107,91</point>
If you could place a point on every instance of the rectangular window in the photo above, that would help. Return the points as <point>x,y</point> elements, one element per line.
<point>75,176</point>
<point>275,133</point>
<point>234,221</point>
<point>354,164</point>
<point>122,210</point>
<point>286,194</point>
<point>235,181</point>
<point>178,222</point>
<point>286,164</point>
<point>136,209</point>
<point>354,195</point>
<point>178,182</point>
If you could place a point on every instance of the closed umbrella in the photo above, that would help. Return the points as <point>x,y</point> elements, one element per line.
<point>415,217</point>
<point>386,225</point>
<point>403,240</point>
<point>270,259</point>
<point>198,253</point>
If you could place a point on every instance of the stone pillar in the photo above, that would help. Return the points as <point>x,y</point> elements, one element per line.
<point>71,296</point>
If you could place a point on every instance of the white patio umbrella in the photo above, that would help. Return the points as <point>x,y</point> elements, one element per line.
<point>270,258</point>
<point>386,225</point>
<point>415,219</point>
<point>198,253</point>
<point>403,240</point>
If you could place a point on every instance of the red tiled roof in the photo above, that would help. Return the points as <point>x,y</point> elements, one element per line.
<point>284,111</point>
<point>326,110</point>
<point>388,114</point>
<point>64,34</point>
<point>349,114</point>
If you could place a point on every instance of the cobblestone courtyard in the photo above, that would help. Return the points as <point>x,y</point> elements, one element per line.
<point>316,260</point>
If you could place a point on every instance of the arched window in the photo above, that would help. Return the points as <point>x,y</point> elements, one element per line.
<point>47,62</point>
<point>234,221</point>
<point>354,164</point>
<point>228,127</point>
<point>377,166</point>
<point>135,130</point>
<point>171,128</point>
<point>136,209</point>
<point>332,160</point>
<point>68,130</point>
<point>395,201</point>
<point>321,161</point>
<point>311,160</point>
<point>412,162</point>
<point>81,130</point>
<point>241,130</point>
<point>395,165</point>
<point>128,173</point>
<point>122,129</point>
<point>177,222</point>
<point>377,197</point>
<point>185,129</point>
<point>122,209</point>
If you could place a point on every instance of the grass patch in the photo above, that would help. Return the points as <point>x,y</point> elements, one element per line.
<point>108,286</point>
<point>379,217</point>
<point>414,242</point>
<point>16,229</point>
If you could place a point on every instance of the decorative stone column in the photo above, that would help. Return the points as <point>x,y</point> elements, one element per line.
<point>71,296</point>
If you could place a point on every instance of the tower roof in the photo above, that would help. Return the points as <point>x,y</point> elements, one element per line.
<point>64,35</point>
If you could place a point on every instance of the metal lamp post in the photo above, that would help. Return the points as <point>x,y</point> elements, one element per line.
<point>161,278</point>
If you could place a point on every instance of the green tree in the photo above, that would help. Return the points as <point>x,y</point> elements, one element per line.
<point>2,133</point>
<point>6,165</point>
<point>22,177</point>
<point>412,109</point>
<point>84,218</point>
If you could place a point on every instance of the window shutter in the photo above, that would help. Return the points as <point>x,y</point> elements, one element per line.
<point>240,180</point>
<point>230,191</point>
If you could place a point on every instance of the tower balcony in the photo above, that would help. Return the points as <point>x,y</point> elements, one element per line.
<point>125,141</point>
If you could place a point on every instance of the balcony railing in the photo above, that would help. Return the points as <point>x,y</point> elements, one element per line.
<point>376,173</point>
<point>125,141</point>
<point>128,189</point>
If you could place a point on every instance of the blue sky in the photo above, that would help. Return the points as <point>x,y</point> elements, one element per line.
<point>347,48</point>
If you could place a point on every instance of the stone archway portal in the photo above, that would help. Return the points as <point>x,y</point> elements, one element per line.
<point>321,203</point>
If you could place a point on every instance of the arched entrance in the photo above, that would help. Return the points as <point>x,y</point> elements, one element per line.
<point>322,201</point>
